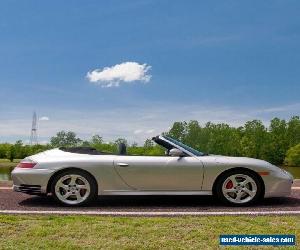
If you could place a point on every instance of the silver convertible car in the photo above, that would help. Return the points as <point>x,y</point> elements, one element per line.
<point>76,176</point>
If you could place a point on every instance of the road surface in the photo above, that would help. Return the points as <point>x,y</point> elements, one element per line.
<point>12,202</point>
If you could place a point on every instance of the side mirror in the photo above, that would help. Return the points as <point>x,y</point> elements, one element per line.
<point>176,152</point>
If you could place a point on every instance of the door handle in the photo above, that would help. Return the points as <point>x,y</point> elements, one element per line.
<point>121,164</point>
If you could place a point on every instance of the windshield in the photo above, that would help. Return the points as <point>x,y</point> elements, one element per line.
<point>180,144</point>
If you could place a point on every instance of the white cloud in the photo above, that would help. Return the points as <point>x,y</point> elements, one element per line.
<point>125,72</point>
<point>138,131</point>
<point>295,107</point>
<point>150,131</point>
<point>144,131</point>
<point>44,118</point>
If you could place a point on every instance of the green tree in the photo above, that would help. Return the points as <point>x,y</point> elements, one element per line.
<point>121,140</point>
<point>293,131</point>
<point>65,139</point>
<point>223,139</point>
<point>18,147</point>
<point>155,151</point>
<point>253,142</point>
<point>293,156</point>
<point>148,144</point>
<point>85,143</point>
<point>203,138</point>
<point>11,153</point>
<point>277,141</point>
<point>106,147</point>
<point>193,134</point>
<point>178,131</point>
<point>4,149</point>
<point>96,140</point>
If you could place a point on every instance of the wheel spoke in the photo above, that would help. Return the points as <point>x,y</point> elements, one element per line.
<point>249,192</point>
<point>234,182</point>
<point>238,196</point>
<point>67,195</point>
<point>81,186</point>
<point>62,185</point>
<point>246,181</point>
<point>73,180</point>
<point>230,190</point>
<point>78,196</point>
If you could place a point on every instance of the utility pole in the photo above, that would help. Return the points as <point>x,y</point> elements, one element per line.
<point>33,136</point>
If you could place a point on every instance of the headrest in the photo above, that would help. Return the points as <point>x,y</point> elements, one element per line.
<point>122,148</point>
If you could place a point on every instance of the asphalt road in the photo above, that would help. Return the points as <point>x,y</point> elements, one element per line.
<point>10,200</point>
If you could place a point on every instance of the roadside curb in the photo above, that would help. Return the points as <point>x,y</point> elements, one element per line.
<point>149,214</point>
<point>10,188</point>
<point>6,183</point>
<point>297,181</point>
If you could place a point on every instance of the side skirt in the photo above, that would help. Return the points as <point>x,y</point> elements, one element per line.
<point>126,192</point>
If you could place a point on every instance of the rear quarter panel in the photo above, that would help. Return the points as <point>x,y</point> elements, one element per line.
<point>100,166</point>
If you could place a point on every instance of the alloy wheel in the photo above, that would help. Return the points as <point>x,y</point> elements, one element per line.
<point>239,188</point>
<point>72,189</point>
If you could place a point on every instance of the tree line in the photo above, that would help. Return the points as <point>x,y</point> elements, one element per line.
<point>279,143</point>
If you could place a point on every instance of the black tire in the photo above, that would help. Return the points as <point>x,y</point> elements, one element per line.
<point>218,192</point>
<point>91,181</point>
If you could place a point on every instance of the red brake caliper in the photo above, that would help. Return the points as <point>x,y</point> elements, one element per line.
<point>229,184</point>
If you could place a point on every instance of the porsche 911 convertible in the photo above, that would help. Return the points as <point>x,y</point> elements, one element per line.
<point>76,176</point>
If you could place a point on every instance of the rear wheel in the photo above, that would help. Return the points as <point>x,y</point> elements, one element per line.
<point>239,188</point>
<point>74,188</point>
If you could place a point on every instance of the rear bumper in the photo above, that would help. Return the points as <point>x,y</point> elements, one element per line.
<point>31,181</point>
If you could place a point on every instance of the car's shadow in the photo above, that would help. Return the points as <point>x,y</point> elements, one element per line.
<point>160,202</point>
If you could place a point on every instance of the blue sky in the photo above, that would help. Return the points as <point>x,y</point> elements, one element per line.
<point>221,61</point>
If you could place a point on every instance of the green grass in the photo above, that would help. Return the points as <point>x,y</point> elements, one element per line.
<point>95,232</point>
<point>7,163</point>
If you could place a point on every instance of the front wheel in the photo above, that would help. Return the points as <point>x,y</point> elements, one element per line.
<point>74,188</point>
<point>239,188</point>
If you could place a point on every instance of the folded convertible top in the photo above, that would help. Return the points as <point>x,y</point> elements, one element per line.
<point>83,150</point>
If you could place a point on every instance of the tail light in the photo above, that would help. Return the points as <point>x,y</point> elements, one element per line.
<point>26,164</point>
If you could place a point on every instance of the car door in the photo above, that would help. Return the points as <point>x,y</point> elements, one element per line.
<point>166,173</point>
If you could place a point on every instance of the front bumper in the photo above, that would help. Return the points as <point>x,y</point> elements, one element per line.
<point>278,184</point>
<point>31,181</point>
